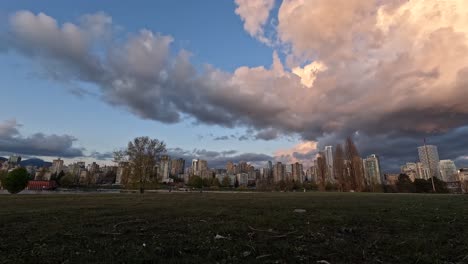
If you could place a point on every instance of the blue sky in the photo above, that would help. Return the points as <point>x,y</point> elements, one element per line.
<point>290,77</point>
<point>210,30</point>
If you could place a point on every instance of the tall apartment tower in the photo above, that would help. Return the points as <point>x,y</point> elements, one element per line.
<point>278,172</point>
<point>230,168</point>
<point>372,170</point>
<point>429,157</point>
<point>177,167</point>
<point>195,167</point>
<point>297,171</point>
<point>57,166</point>
<point>329,160</point>
<point>165,168</point>
<point>448,171</point>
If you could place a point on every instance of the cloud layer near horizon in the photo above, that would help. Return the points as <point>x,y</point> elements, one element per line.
<point>393,70</point>
<point>38,144</point>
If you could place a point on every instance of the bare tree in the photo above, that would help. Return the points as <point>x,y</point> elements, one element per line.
<point>141,154</point>
<point>322,171</point>
<point>338,165</point>
<point>355,165</point>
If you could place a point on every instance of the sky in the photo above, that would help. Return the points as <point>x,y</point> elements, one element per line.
<point>251,80</point>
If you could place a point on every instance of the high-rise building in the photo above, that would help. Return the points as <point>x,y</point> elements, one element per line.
<point>448,171</point>
<point>14,161</point>
<point>279,172</point>
<point>195,167</point>
<point>230,168</point>
<point>202,165</point>
<point>372,170</point>
<point>57,166</point>
<point>429,157</point>
<point>243,167</point>
<point>165,168</point>
<point>420,168</point>
<point>199,167</point>
<point>328,153</point>
<point>270,165</point>
<point>297,172</point>
<point>177,167</point>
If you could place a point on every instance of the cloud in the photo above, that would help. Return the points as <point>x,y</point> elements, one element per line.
<point>11,141</point>
<point>267,134</point>
<point>101,155</point>
<point>219,159</point>
<point>361,67</point>
<point>254,14</point>
<point>304,152</point>
<point>220,138</point>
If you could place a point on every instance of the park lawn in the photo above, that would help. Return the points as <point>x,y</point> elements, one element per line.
<point>234,228</point>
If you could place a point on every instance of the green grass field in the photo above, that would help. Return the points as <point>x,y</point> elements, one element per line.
<point>254,227</point>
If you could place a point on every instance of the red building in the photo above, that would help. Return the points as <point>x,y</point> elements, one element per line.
<point>41,185</point>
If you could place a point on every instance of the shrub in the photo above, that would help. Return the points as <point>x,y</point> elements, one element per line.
<point>16,180</point>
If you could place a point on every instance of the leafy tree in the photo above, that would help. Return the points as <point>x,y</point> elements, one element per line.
<point>281,185</point>
<point>53,177</point>
<point>236,183</point>
<point>422,186</point>
<point>16,180</point>
<point>3,175</point>
<point>60,175</point>
<point>330,187</point>
<point>207,182</point>
<point>226,182</point>
<point>440,186</point>
<point>41,174</point>
<point>338,166</point>
<point>141,154</point>
<point>215,182</point>
<point>355,166</point>
<point>322,171</point>
<point>67,180</point>
<point>195,181</point>
<point>404,184</point>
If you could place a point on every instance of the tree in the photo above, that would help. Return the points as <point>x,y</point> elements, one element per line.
<point>215,182</point>
<point>355,166</point>
<point>16,180</point>
<point>3,175</point>
<point>338,165</point>
<point>422,186</point>
<point>207,182</point>
<point>404,183</point>
<point>440,186</point>
<point>141,154</point>
<point>226,182</point>
<point>322,171</point>
<point>67,180</point>
<point>195,181</point>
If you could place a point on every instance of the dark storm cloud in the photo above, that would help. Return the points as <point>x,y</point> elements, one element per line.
<point>11,141</point>
<point>219,159</point>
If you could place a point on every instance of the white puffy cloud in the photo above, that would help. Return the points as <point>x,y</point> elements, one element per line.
<point>254,14</point>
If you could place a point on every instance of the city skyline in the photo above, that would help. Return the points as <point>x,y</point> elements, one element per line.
<point>256,85</point>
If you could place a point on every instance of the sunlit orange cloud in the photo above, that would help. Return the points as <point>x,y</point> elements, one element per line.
<point>303,152</point>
